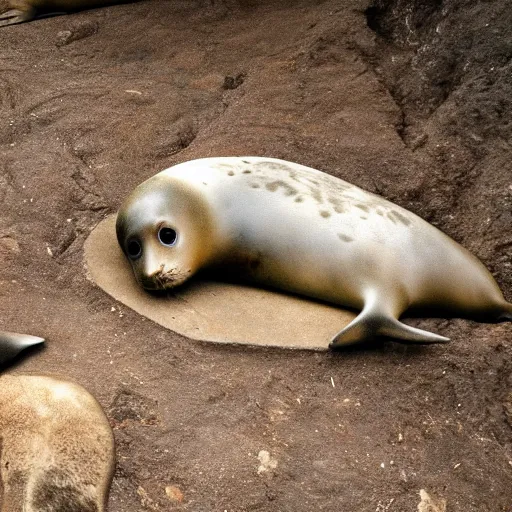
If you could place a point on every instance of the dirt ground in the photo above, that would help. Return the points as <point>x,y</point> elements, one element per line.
<point>408,99</point>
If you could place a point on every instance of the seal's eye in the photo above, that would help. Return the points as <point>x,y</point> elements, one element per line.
<point>167,236</point>
<point>134,249</point>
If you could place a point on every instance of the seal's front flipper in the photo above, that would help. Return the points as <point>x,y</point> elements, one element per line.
<point>11,13</point>
<point>14,16</point>
<point>11,344</point>
<point>378,319</point>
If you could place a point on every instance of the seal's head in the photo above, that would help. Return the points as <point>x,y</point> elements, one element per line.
<point>164,228</point>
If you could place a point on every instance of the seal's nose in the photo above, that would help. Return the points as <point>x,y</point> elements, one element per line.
<point>151,266</point>
<point>153,273</point>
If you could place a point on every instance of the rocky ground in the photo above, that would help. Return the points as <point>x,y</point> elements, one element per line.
<point>408,99</point>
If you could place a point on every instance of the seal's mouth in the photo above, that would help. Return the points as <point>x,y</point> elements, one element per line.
<point>164,279</point>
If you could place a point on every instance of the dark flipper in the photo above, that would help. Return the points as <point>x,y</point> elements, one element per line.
<point>11,344</point>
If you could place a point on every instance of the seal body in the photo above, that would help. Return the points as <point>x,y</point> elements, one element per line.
<point>18,11</point>
<point>292,227</point>
<point>57,446</point>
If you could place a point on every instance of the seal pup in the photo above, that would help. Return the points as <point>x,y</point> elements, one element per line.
<point>11,344</point>
<point>19,11</point>
<point>57,447</point>
<point>295,228</point>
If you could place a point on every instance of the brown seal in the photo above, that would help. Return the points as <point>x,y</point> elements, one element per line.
<point>18,11</point>
<point>57,447</point>
<point>295,228</point>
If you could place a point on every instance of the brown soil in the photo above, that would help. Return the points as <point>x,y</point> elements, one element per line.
<point>409,99</point>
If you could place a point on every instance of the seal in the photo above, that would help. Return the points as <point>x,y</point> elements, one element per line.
<point>57,446</point>
<point>19,11</point>
<point>11,344</point>
<point>291,227</point>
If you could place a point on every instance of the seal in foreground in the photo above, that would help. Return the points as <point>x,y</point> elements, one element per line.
<point>57,446</point>
<point>291,227</point>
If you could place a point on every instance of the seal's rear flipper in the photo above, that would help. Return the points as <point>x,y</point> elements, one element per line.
<point>11,344</point>
<point>371,323</point>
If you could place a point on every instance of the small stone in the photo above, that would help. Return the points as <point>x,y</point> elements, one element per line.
<point>76,32</point>
<point>174,494</point>
<point>10,244</point>
<point>267,463</point>
<point>63,37</point>
<point>427,504</point>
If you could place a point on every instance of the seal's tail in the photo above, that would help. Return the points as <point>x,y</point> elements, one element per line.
<point>11,344</point>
